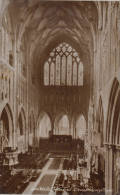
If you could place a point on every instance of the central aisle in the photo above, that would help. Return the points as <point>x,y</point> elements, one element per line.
<point>48,175</point>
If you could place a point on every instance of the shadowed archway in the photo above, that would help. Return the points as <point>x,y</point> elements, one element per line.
<point>44,125</point>
<point>7,127</point>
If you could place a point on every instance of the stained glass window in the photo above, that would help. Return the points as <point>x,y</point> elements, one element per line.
<point>80,74</point>
<point>63,71</point>
<point>75,65</point>
<point>58,62</point>
<point>52,73</point>
<point>46,73</point>
<point>63,67</point>
<point>69,70</point>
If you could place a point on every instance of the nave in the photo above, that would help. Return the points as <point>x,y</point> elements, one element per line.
<point>51,173</point>
<point>59,97</point>
<point>60,178</point>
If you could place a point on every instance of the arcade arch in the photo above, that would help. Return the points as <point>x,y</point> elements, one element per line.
<point>80,127</point>
<point>22,131</point>
<point>31,123</point>
<point>62,124</point>
<point>21,122</point>
<point>31,128</point>
<point>113,139</point>
<point>44,125</point>
<point>6,127</point>
<point>113,114</point>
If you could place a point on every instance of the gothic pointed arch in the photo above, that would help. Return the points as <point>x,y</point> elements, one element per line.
<point>63,67</point>
<point>81,126</point>
<point>31,122</point>
<point>22,122</point>
<point>44,125</point>
<point>62,124</point>
<point>7,125</point>
<point>113,113</point>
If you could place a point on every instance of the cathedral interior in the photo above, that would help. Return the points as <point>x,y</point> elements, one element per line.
<point>59,97</point>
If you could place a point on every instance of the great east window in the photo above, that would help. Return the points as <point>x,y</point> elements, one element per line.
<point>63,67</point>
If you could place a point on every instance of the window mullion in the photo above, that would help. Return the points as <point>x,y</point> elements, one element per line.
<point>77,72</point>
<point>66,72</point>
<point>55,70</point>
<point>72,69</point>
<point>66,69</point>
<point>49,73</point>
<point>61,70</point>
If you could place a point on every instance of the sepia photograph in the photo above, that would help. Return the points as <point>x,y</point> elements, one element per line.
<point>59,97</point>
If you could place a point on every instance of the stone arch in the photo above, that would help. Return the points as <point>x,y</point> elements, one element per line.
<point>58,39</point>
<point>31,122</point>
<point>22,121</point>
<point>41,113</point>
<point>58,119</point>
<point>81,125</point>
<point>75,115</point>
<point>52,44</point>
<point>113,136</point>
<point>113,113</point>
<point>7,126</point>
<point>44,125</point>
<point>21,125</point>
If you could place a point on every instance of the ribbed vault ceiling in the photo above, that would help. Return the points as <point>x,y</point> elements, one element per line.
<point>45,24</point>
<point>39,26</point>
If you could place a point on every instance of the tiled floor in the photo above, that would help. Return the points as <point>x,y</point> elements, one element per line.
<point>44,183</point>
<point>55,164</point>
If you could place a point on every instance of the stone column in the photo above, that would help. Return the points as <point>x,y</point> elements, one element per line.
<point>96,158</point>
<point>52,127</point>
<point>106,170</point>
<point>75,133</point>
<point>15,86</point>
<point>74,129</point>
<point>109,171</point>
<point>70,128</point>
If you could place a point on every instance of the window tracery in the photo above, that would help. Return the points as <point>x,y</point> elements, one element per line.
<point>63,67</point>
